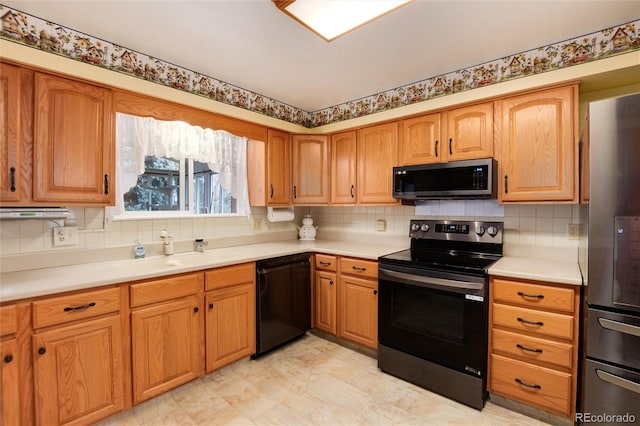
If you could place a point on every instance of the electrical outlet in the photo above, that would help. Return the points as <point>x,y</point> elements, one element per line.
<point>65,236</point>
<point>573,231</point>
<point>381,225</point>
<point>257,224</point>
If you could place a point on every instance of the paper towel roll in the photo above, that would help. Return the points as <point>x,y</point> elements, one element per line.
<point>280,214</point>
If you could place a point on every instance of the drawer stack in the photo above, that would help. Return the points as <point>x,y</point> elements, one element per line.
<point>533,346</point>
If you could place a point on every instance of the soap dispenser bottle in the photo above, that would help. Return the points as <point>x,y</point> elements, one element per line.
<point>138,250</point>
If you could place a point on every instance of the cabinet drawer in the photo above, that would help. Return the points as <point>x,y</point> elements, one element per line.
<point>529,383</point>
<point>547,323</point>
<point>8,320</point>
<point>58,310</point>
<point>533,295</point>
<point>165,289</point>
<point>532,348</point>
<point>326,262</point>
<point>358,267</point>
<point>230,275</point>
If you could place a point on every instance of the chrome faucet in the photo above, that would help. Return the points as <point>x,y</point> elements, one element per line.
<point>167,242</point>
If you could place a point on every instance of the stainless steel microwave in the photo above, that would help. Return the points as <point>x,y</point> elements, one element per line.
<point>469,179</point>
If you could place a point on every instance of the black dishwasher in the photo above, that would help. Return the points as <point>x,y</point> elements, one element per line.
<point>283,300</point>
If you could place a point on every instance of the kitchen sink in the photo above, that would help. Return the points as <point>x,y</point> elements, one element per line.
<point>208,258</point>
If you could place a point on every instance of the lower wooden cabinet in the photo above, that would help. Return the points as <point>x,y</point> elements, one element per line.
<point>358,310</point>
<point>167,333</point>
<point>325,297</point>
<point>533,343</point>
<point>78,372</point>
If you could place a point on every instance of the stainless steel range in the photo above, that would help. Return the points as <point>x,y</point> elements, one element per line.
<point>433,307</point>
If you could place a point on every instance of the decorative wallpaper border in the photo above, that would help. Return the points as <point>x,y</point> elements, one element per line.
<point>22,28</point>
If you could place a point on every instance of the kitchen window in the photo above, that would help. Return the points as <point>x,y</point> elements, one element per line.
<point>171,168</point>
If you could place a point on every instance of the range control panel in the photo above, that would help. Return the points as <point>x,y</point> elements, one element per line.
<point>456,230</point>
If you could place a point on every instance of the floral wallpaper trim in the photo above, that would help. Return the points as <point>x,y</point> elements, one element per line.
<point>38,33</point>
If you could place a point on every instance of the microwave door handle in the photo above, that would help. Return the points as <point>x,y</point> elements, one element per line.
<point>618,381</point>
<point>619,326</point>
<point>430,282</point>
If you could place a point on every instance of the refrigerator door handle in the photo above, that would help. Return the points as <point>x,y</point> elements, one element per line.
<point>619,326</point>
<point>618,381</point>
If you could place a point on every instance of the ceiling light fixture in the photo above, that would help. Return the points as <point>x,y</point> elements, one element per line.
<point>332,18</point>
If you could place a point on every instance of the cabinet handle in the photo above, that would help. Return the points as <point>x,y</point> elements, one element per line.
<point>352,196</point>
<point>8,358</point>
<point>325,263</point>
<point>536,296</point>
<point>12,178</point>
<point>375,292</point>
<point>524,348</point>
<point>506,184</point>
<point>210,306</point>
<point>450,148</point>
<point>106,184</point>
<point>520,382</point>
<point>42,350</point>
<point>436,147</point>
<point>79,308</point>
<point>540,323</point>
<point>330,282</point>
<point>196,310</point>
<point>357,268</point>
<point>295,191</point>
<point>271,185</point>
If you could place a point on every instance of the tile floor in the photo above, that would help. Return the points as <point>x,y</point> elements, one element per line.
<point>309,382</point>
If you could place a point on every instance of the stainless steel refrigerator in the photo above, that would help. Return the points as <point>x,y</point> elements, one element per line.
<point>611,381</point>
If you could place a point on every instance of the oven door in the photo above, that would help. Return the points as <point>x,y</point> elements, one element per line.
<point>441,318</point>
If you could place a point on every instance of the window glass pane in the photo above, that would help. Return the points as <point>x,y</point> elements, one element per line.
<point>157,188</point>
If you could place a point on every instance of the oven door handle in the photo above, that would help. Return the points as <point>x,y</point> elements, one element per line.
<point>431,282</point>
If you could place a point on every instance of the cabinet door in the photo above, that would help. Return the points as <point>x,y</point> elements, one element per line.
<point>469,133</point>
<point>538,150</point>
<point>377,155</point>
<point>78,372</point>
<point>9,384</point>
<point>343,168</point>
<point>74,142</point>
<point>420,141</point>
<point>310,169</point>
<point>230,325</point>
<point>166,344</point>
<point>358,310</point>
<point>16,115</point>
<point>325,301</point>
<point>278,169</point>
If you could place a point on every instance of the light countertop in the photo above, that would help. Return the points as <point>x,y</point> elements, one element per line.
<point>546,270</point>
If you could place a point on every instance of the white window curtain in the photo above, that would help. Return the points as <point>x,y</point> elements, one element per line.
<point>137,137</point>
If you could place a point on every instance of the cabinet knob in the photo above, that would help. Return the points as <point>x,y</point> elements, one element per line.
<point>8,358</point>
<point>196,309</point>
<point>330,282</point>
<point>375,292</point>
<point>210,305</point>
<point>42,350</point>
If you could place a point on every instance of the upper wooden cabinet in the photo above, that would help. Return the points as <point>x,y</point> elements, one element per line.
<point>458,134</point>
<point>377,155</point>
<point>343,167</point>
<point>16,139</point>
<point>310,169</point>
<point>537,146</point>
<point>269,170</point>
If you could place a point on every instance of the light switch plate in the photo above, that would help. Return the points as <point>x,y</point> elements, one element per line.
<point>65,236</point>
<point>381,225</point>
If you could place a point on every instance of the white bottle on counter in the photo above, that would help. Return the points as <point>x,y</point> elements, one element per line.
<point>138,250</point>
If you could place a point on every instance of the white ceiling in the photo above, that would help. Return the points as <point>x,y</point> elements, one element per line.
<point>251,44</point>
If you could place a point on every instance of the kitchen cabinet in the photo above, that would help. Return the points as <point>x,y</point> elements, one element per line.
<point>9,369</point>
<point>463,133</point>
<point>310,169</point>
<point>344,167</point>
<point>16,138</point>
<point>78,357</point>
<point>377,153</point>
<point>74,142</point>
<point>358,301</point>
<point>269,170</point>
<point>325,293</point>
<point>230,303</point>
<point>167,333</point>
<point>537,146</point>
<point>533,344</point>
